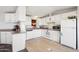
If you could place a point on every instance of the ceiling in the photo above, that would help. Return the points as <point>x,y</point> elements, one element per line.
<point>8,9</point>
<point>35,10</point>
<point>44,10</point>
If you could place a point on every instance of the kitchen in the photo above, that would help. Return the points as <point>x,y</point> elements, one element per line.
<point>37,23</point>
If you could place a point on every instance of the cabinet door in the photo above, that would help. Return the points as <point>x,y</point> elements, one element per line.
<point>57,19</point>
<point>36,33</point>
<point>43,33</point>
<point>18,42</point>
<point>33,34</point>
<point>29,35</point>
<point>10,17</point>
<point>40,21</point>
<point>8,37</point>
<point>3,37</point>
<point>51,35</point>
<point>56,36</point>
<point>28,20</point>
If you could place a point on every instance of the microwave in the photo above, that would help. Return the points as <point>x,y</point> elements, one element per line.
<point>57,27</point>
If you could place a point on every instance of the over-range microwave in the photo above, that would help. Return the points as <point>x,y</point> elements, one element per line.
<point>57,27</point>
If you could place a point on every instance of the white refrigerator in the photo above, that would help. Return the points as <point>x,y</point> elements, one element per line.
<point>68,33</point>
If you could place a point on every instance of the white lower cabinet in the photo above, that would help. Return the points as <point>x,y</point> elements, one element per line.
<point>49,34</point>
<point>56,36</point>
<point>6,37</point>
<point>9,37</point>
<point>43,32</point>
<point>36,33</point>
<point>29,35</point>
<point>53,35</point>
<point>3,40</point>
<point>18,42</point>
<point>33,34</point>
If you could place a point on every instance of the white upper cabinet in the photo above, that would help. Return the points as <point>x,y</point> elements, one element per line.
<point>57,19</point>
<point>10,17</point>
<point>28,20</point>
<point>47,19</point>
<point>44,21</point>
<point>40,21</point>
<point>66,15</point>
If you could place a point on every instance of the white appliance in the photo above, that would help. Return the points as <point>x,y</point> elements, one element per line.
<point>68,33</point>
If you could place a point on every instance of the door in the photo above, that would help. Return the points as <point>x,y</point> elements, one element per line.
<point>68,33</point>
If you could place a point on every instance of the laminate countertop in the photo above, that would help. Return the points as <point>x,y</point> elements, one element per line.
<point>7,30</point>
<point>30,29</point>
